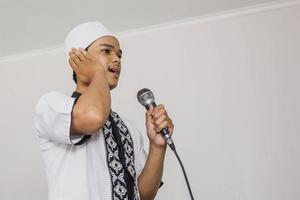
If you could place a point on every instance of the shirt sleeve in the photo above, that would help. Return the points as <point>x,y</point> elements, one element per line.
<point>142,157</point>
<point>52,119</point>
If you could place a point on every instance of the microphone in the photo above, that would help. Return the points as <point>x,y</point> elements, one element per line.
<point>146,98</point>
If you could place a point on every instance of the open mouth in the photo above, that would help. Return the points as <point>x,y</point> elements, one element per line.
<point>115,71</point>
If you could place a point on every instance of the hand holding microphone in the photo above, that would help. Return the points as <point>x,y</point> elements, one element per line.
<point>159,125</point>
<point>157,116</point>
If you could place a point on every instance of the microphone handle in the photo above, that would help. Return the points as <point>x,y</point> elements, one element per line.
<point>164,131</point>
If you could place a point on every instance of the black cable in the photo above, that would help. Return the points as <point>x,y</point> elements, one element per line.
<point>183,170</point>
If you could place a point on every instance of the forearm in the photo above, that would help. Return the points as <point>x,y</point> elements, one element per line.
<point>150,177</point>
<point>96,100</point>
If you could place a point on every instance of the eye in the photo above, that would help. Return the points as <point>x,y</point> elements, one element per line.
<point>106,51</point>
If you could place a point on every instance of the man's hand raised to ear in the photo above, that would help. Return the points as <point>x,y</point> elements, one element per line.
<point>93,106</point>
<point>84,64</point>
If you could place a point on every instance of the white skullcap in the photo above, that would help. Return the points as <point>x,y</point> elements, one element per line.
<point>85,34</point>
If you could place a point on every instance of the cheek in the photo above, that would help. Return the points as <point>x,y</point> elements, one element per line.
<point>103,62</point>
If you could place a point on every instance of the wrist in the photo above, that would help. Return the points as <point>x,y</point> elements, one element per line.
<point>98,72</point>
<point>98,75</point>
<point>157,148</point>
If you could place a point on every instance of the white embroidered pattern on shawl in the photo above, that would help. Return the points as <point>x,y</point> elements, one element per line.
<point>119,191</point>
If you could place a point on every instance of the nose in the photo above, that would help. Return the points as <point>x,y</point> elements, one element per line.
<point>116,59</point>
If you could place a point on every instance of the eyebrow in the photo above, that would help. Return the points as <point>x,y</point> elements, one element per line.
<point>111,46</point>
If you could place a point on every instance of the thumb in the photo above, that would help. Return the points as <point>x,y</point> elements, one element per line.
<point>149,113</point>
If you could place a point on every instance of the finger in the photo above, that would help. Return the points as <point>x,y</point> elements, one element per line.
<point>79,55</point>
<point>72,64</point>
<point>159,107</point>
<point>73,50</point>
<point>169,125</point>
<point>149,113</point>
<point>162,118</point>
<point>70,54</point>
<point>75,58</point>
<point>84,53</point>
<point>161,126</point>
<point>87,54</point>
<point>158,112</point>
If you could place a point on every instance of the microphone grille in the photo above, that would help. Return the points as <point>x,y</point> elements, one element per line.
<point>145,97</point>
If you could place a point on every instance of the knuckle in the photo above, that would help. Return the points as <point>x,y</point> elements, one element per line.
<point>157,122</point>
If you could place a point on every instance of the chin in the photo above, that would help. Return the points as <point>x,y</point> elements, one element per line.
<point>112,86</point>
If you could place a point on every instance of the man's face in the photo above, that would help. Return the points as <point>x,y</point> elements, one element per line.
<point>107,50</point>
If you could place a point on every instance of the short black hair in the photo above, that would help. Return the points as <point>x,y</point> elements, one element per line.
<point>74,77</point>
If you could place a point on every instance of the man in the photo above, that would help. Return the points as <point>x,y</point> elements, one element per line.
<point>90,152</point>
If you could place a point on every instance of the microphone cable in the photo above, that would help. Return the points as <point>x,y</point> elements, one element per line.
<point>172,146</point>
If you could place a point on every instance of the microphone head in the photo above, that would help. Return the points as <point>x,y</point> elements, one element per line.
<point>146,97</point>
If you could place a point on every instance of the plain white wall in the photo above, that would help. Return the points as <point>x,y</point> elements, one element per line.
<point>230,83</point>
